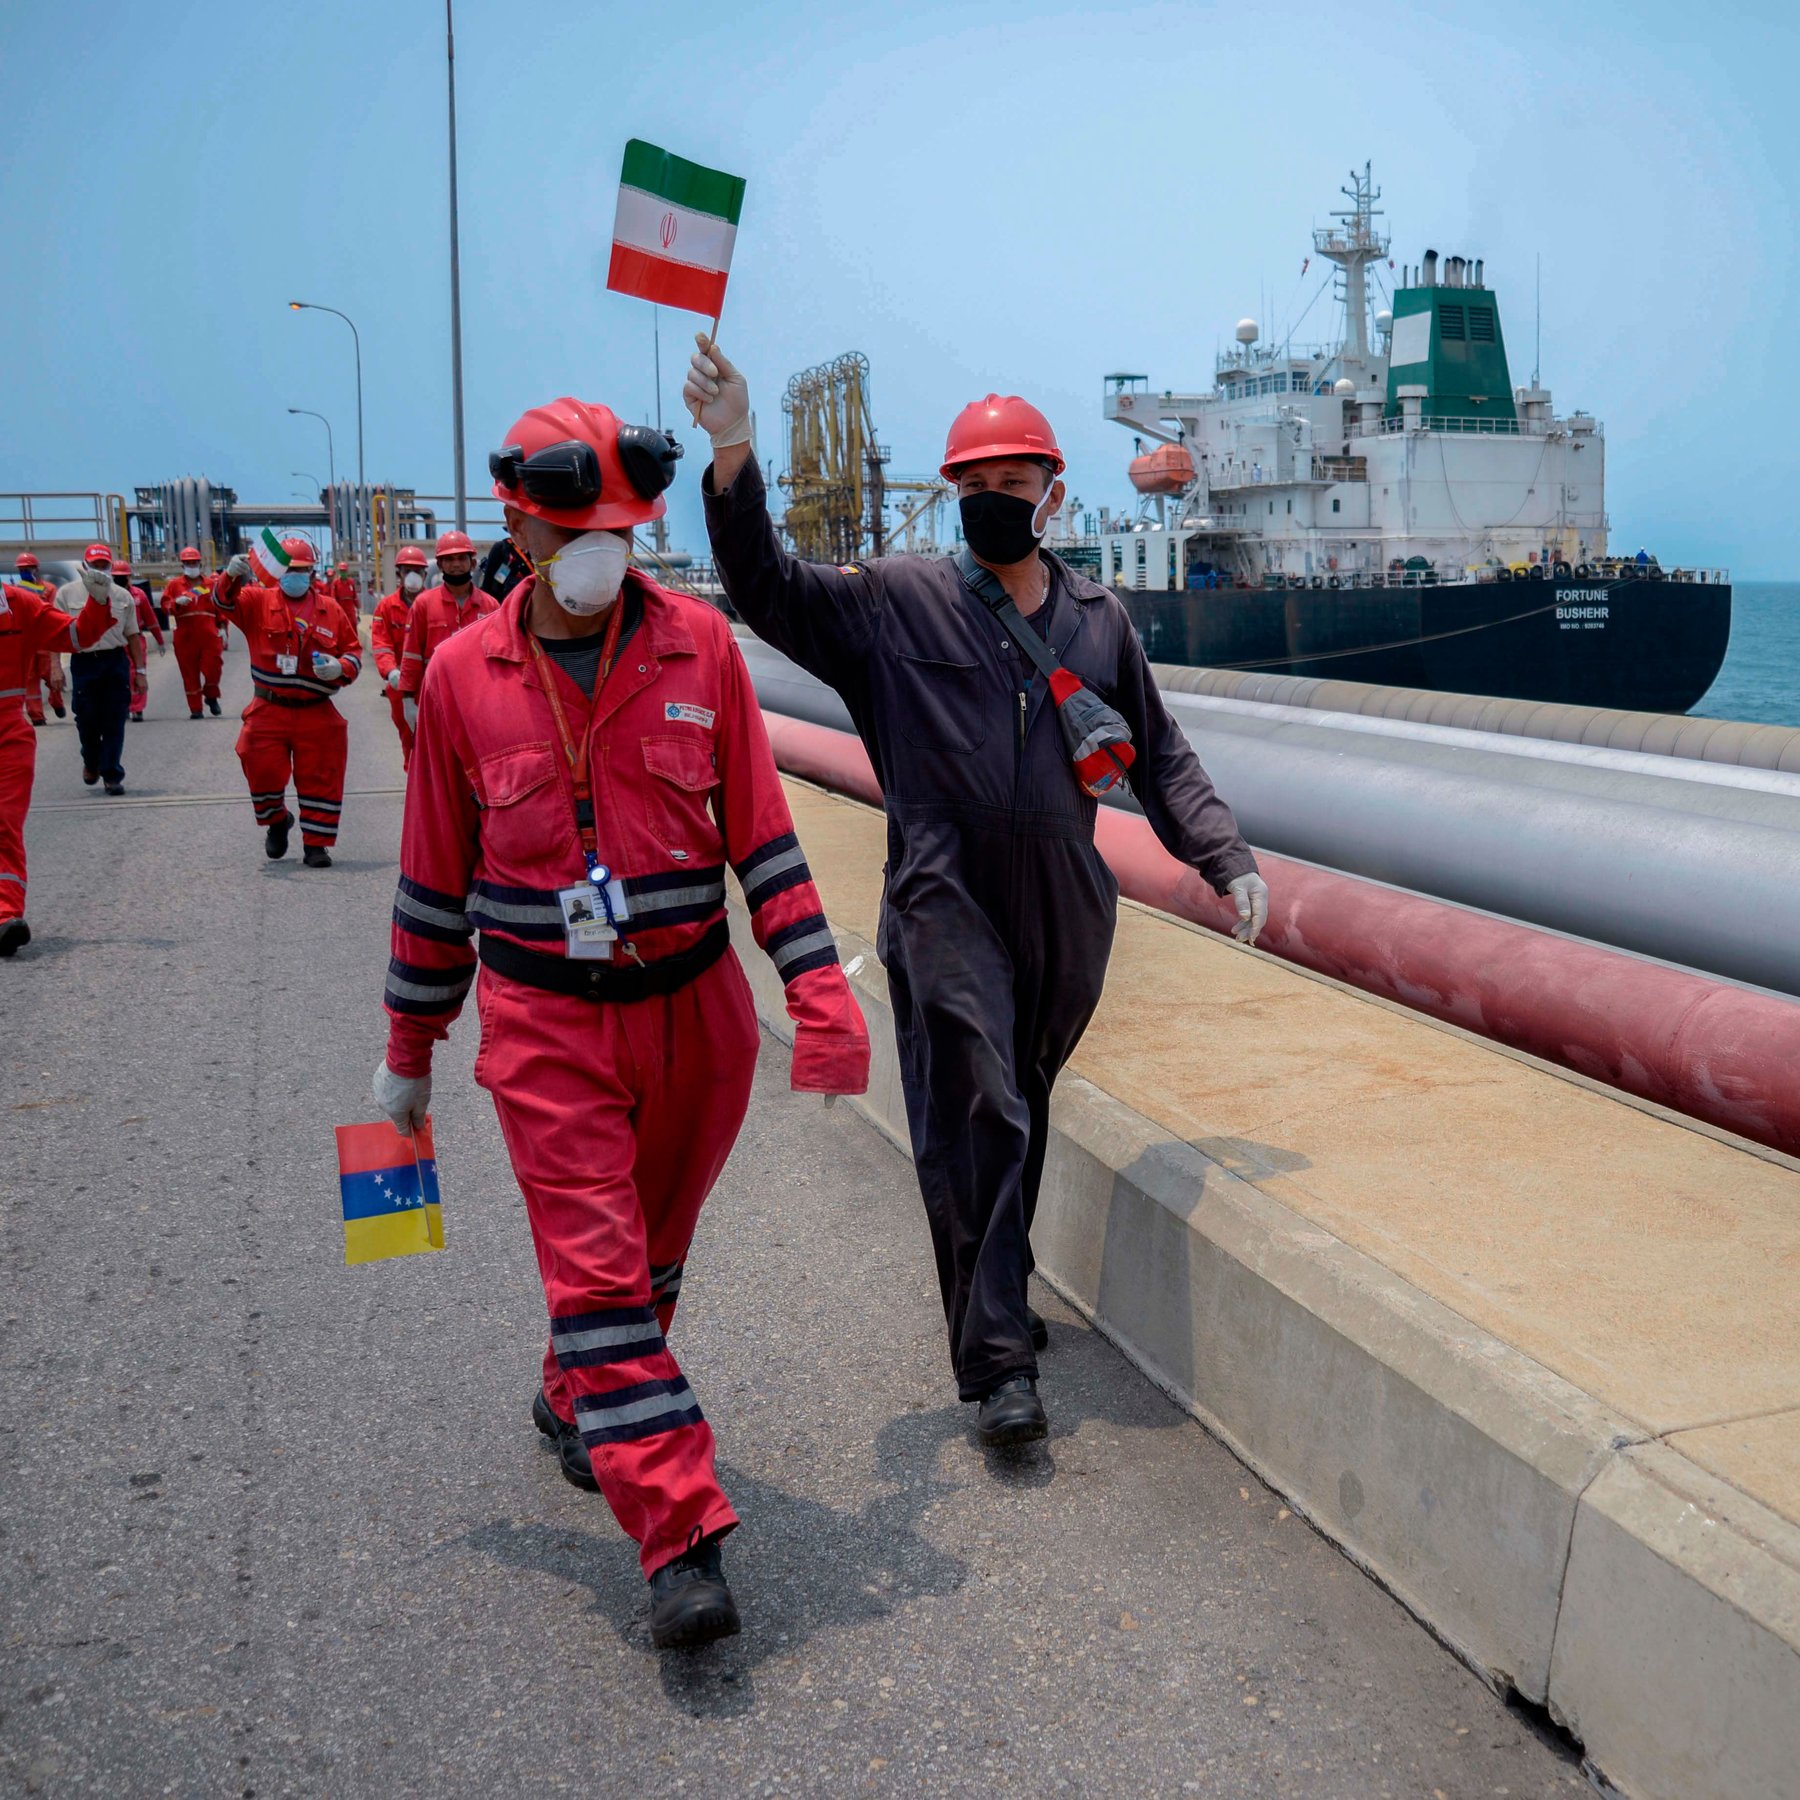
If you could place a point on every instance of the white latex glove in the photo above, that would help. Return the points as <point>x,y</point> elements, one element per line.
<point>409,709</point>
<point>1251,894</point>
<point>393,679</point>
<point>162,649</point>
<point>404,1098</point>
<point>717,395</point>
<point>326,668</point>
<point>238,569</point>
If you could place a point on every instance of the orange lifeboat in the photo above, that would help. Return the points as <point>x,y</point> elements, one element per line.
<point>1166,470</point>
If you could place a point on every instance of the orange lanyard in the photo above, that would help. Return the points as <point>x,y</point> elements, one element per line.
<point>579,770</point>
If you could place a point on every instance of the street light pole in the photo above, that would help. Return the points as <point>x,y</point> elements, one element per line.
<point>357,541</point>
<point>330,454</point>
<point>456,391</point>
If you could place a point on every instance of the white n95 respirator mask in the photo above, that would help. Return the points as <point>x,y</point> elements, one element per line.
<point>586,574</point>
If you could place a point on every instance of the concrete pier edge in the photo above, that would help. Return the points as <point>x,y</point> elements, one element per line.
<point>1563,1554</point>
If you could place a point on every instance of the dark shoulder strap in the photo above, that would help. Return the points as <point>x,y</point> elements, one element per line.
<point>984,584</point>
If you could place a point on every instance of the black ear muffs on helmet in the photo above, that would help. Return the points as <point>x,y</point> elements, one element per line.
<point>648,458</point>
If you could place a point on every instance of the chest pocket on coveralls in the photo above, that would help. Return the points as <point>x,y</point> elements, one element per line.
<point>512,832</point>
<point>682,775</point>
<point>939,703</point>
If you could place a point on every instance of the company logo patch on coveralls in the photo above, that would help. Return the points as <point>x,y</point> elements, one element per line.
<point>676,713</point>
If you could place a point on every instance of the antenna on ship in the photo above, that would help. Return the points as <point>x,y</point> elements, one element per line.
<point>1537,348</point>
<point>1353,243</point>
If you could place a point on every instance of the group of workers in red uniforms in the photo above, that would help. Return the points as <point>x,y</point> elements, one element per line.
<point>586,763</point>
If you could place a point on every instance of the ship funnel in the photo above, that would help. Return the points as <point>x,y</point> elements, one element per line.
<point>1428,276</point>
<point>1453,272</point>
<point>1479,265</point>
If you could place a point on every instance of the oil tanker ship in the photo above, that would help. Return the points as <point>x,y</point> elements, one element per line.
<point>1392,509</point>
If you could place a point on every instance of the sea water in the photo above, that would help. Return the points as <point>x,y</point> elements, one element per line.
<point>1760,680</point>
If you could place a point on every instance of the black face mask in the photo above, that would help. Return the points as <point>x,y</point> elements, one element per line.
<point>997,527</point>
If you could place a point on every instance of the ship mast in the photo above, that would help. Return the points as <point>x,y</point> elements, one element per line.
<point>1353,243</point>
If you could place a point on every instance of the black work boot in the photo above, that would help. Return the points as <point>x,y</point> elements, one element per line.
<point>1012,1414</point>
<point>276,837</point>
<point>690,1604</point>
<point>571,1452</point>
<point>15,934</point>
<point>90,776</point>
<point>1040,1332</point>
<point>213,708</point>
<point>317,857</point>
<point>195,713</point>
<point>57,707</point>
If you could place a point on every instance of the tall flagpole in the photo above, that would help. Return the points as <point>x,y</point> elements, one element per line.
<point>456,389</point>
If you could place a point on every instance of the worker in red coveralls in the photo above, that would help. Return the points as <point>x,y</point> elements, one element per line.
<point>46,670</point>
<point>147,622</point>
<point>30,625</point>
<point>589,758</point>
<point>344,591</point>
<point>302,651</point>
<point>440,612</point>
<point>387,636</point>
<point>199,634</point>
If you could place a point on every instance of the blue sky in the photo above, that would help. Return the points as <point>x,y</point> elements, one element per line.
<point>1017,198</point>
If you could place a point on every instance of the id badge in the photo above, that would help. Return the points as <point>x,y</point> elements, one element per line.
<point>287,665</point>
<point>586,930</point>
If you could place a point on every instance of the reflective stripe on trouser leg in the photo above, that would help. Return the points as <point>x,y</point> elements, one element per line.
<point>615,1160</point>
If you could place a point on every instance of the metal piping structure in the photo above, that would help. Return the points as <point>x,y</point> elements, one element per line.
<point>1486,743</point>
<point>1654,734</point>
<point>1700,1047</point>
<point>1705,891</point>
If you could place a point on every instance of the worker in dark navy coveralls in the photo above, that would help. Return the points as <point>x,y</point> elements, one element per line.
<point>998,913</point>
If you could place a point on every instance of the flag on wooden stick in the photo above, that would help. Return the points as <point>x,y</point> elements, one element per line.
<point>674,231</point>
<point>389,1186</point>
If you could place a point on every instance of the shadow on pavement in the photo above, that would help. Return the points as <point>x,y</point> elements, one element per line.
<point>798,1568</point>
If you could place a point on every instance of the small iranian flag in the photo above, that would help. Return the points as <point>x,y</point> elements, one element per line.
<point>266,552</point>
<point>674,231</point>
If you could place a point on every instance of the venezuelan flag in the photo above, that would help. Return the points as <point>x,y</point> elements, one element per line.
<point>390,1192</point>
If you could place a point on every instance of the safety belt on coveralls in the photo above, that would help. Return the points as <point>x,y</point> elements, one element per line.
<point>1098,740</point>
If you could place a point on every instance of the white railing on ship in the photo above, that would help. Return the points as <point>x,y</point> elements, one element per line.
<point>1472,424</point>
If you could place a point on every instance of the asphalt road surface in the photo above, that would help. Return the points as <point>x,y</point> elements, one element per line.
<point>273,1526</point>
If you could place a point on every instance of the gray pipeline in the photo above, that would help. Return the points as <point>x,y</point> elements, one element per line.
<point>1628,864</point>
<point>1734,742</point>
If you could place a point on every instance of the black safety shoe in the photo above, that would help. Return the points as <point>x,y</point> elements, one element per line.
<point>195,713</point>
<point>1040,1332</point>
<point>1012,1414</point>
<point>115,787</point>
<point>317,857</point>
<point>689,1601</point>
<point>61,711</point>
<point>276,837</point>
<point>37,724</point>
<point>213,707</point>
<point>90,776</point>
<point>15,934</point>
<point>571,1452</point>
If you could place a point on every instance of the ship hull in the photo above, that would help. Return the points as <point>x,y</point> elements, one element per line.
<point>1635,645</point>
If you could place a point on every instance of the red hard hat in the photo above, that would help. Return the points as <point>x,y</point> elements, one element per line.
<point>121,568</point>
<point>454,543</point>
<point>621,502</point>
<point>189,553</point>
<point>98,553</point>
<point>300,553</point>
<point>26,560</point>
<point>409,557</point>
<point>1000,425</point>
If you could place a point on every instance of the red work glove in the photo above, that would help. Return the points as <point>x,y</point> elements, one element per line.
<point>831,1061</point>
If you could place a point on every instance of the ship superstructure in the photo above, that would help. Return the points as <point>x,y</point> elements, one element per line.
<point>1404,441</point>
